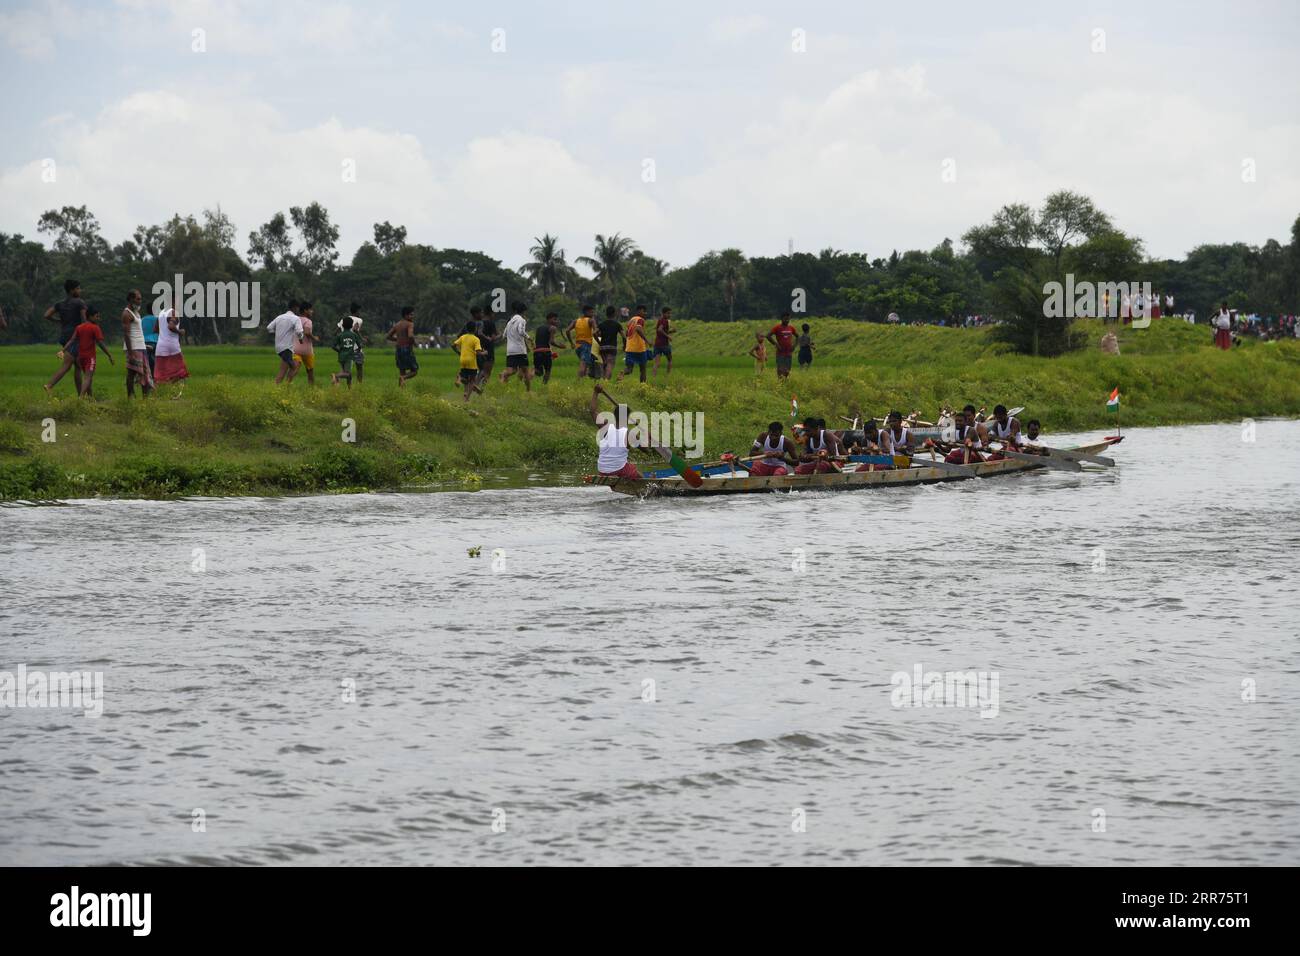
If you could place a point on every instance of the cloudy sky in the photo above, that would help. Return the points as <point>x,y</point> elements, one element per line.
<point>689,126</point>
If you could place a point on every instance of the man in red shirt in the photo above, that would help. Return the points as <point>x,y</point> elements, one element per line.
<point>86,336</point>
<point>783,336</point>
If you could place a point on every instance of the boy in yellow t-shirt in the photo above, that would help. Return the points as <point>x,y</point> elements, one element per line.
<point>470,349</point>
<point>634,344</point>
<point>584,328</point>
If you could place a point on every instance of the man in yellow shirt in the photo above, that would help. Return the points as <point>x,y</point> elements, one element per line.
<point>634,344</point>
<point>583,328</point>
<point>470,349</point>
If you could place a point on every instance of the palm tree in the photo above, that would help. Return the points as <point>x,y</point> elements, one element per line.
<point>548,270</point>
<point>731,268</point>
<point>610,262</point>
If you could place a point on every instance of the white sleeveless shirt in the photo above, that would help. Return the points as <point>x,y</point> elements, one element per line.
<point>134,333</point>
<point>613,449</point>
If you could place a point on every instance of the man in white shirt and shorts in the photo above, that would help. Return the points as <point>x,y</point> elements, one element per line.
<point>517,347</point>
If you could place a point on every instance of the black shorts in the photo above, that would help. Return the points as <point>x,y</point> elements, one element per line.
<point>542,361</point>
<point>286,356</point>
<point>468,375</point>
<point>517,361</point>
<point>406,359</point>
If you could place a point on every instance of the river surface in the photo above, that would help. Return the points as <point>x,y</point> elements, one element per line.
<point>335,680</point>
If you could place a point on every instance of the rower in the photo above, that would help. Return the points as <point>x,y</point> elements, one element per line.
<point>776,451</point>
<point>896,438</point>
<point>819,446</point>
<point>869,444</point>
<point>967,438</point>
<point>1030,440</point>
<point>1003,428</point>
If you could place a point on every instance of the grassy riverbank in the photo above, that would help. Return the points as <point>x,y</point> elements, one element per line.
<point>234,432</point>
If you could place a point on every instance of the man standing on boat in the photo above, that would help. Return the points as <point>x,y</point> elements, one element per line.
<point>776,451</point>
<point>611,438</point>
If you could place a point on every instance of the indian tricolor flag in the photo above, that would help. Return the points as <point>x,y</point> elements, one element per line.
<point>1112,403</point>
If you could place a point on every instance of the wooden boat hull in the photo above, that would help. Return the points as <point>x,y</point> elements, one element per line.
<point>918,474</point>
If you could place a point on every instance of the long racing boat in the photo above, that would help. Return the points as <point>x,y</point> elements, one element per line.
<point>724,480</point>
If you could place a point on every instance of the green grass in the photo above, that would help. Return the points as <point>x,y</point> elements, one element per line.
<point>233,431</point>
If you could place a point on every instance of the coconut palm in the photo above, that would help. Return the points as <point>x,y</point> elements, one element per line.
<point>731,269</point>
<point>548,271</point>
<point>610,262</point>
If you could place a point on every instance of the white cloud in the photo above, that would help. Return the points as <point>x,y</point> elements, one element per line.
<point>731,29</point>
<point>752,143</point>
<point>156,153</point>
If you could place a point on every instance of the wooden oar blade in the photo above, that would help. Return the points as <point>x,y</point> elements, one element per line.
<point>1069,455</point>
<point>1047,461</point>
<point>942,465</point>
<point>678,464</point>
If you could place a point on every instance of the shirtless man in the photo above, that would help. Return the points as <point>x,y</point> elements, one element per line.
<point>403,333</point>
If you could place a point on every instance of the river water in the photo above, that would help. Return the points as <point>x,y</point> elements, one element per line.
<point>335,680</point>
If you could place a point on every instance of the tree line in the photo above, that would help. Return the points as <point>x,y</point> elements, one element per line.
<point>999,271</point>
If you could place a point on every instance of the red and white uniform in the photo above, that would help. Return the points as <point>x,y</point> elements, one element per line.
<point>958,455</point>
<point>772,462</point>
<point>895,444</point>
<point>816,443</point>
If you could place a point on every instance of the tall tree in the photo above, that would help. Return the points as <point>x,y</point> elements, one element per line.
<point>270,246</point>
<point>218,228</point>
<point>610,262</point>
<point>731,271</point>
<point>76,235</point>
<point>1067,216</point>
<point>319,237</point>
<point>548,271</point>
<point>389,238</point>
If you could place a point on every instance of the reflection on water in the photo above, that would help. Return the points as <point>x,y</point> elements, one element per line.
<point>622,681</point>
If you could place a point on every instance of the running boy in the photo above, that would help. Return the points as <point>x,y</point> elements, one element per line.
<point>85,337</point>
<point>545,345</point>
<point>348,344</point>
<point>471,350</point>
<point>664,341</point>
<point>403,334</point>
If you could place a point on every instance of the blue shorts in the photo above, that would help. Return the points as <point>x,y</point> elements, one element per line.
<point>634,358</point>
<point>584,352</point>
<point>72,349</point>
